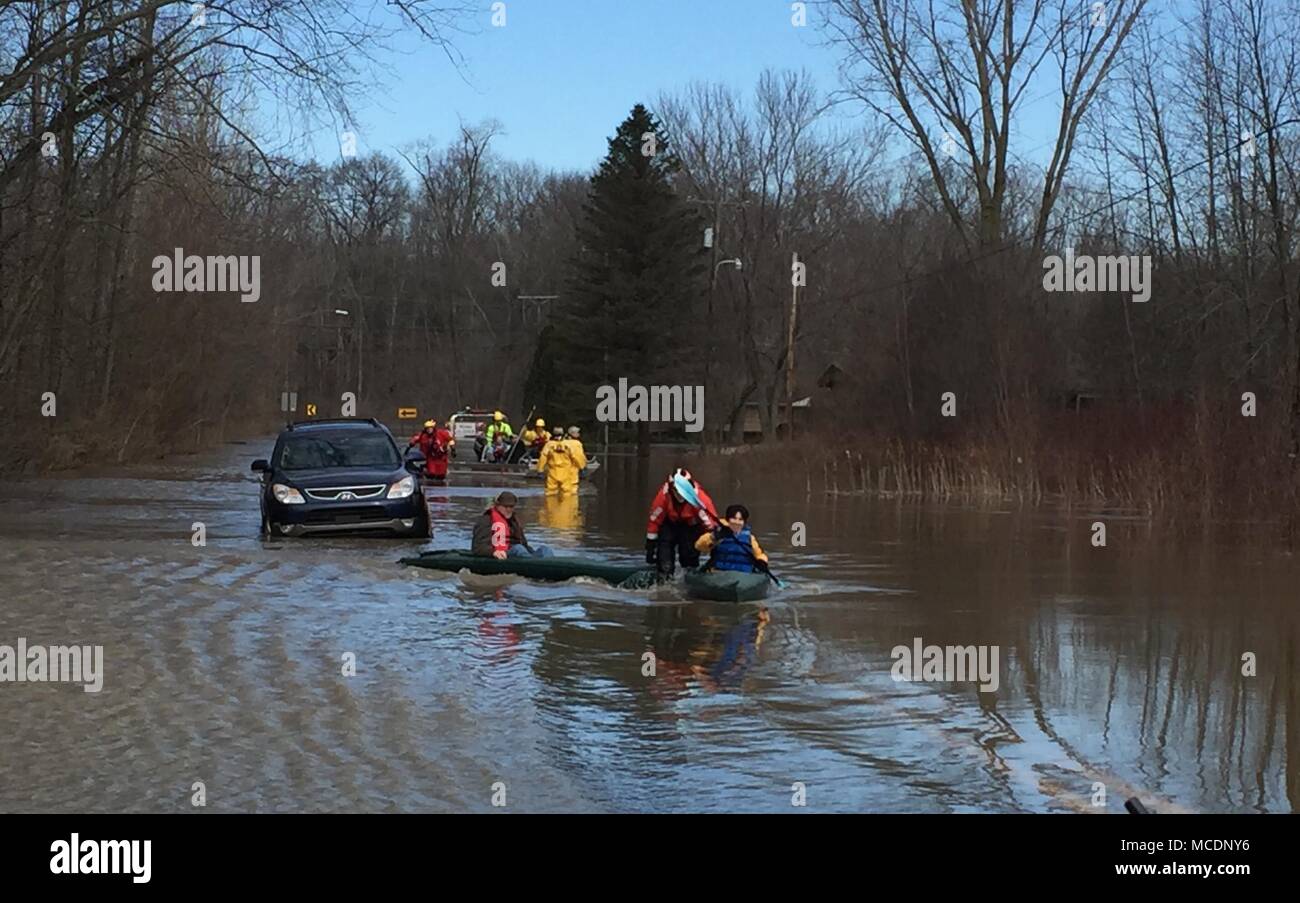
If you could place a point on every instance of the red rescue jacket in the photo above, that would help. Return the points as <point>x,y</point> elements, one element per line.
<point>433,445</point>
<point>493,532</point>
<point>665,507</point>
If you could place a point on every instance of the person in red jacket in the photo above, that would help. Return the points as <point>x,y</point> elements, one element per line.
<point>675,524</point>
<point>435,444</point>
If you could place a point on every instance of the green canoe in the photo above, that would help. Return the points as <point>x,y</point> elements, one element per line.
<point>726,586</point>
<point>559,567</point>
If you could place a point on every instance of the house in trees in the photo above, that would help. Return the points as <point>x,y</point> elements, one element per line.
<point>752,424</point>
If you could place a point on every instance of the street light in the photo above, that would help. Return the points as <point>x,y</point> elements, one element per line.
<point>298,322</point>
<point>708,358</point>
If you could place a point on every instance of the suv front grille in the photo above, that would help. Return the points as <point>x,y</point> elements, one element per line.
<point>345,493</point>
<point>345,515</point>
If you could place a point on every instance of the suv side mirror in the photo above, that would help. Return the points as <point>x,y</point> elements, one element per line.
<point>412,465</point>
<point>261,465</point>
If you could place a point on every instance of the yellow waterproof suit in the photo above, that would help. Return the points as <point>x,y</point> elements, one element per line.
<point>561,460</point>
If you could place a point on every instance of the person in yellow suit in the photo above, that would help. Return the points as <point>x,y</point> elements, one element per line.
<point>561,460</point>
<point>536,436</point>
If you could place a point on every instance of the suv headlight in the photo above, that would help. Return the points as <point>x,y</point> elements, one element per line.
<point>287,495</point>
<point>402,488</point>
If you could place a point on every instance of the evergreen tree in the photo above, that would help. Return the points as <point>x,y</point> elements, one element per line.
<point>635,282</point>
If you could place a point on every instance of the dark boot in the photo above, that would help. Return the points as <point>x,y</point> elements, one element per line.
<point>664,567</point>
<point>686,551</point>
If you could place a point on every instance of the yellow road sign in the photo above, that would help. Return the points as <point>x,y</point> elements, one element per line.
<point>407,413</point>
<point>311,410</point>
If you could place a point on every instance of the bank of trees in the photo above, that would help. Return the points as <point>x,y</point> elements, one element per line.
<point>1172,134</point>
<point>919,215</point>
<point>129,129</point>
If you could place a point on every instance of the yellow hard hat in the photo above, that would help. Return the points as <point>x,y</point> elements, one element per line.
<point>540,422</point>
<point>429,423</point>
<point>497,415</point>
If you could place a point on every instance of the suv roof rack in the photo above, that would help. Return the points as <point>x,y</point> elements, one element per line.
<point>333,421</point>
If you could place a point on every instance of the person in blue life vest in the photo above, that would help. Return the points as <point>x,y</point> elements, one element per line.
<point>731,545</point>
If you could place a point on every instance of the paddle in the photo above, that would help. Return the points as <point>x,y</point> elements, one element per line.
<point>519,435</point>
<point>687,491</point>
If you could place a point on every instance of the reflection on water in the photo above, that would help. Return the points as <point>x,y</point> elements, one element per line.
<point>1119,665</point>
<point>561,512</point>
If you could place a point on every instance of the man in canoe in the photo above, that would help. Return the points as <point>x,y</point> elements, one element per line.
<point>675,524</point>
<point>731,545</point>
<point>561,461</point>
<point>497,533</point>
<point>435,444</point>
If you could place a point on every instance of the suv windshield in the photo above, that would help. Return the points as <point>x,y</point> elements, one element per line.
<point>338,450</point>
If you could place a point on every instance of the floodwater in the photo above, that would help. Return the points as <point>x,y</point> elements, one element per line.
<point>1119,668</point>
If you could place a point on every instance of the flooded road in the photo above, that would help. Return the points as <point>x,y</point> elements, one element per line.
<point>1118,666</point>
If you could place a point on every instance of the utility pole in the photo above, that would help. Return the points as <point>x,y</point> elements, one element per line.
<point>789,347</point>
<point>359,334</point>
<point>711,242</point>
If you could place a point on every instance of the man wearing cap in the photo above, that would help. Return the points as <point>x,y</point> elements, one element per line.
<point>561,461</point>
<point>575,443</point>
<point>497,533</point>
<point>435,444</point>
<point>675,524</point>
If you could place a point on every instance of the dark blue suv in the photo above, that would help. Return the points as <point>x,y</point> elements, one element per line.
<point>340,476</point>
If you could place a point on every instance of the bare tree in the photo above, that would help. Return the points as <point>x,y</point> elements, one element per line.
<point>964,67</point>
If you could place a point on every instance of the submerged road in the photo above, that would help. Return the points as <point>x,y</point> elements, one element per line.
<point>1117,668</point>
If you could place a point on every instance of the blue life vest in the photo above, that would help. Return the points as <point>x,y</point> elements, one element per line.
<point>734,553</point>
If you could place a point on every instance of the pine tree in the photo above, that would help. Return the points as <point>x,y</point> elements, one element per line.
<point>635,282</point>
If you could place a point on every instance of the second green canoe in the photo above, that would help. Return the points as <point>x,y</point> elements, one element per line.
<point>558,567</point>
<point>726,586</point>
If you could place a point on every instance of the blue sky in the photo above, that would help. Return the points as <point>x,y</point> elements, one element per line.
<point>561,74</point>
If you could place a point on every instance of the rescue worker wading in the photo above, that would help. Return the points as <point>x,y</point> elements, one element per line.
<point>561,461</point>
<point>675,525</point>
<point>435,444</point>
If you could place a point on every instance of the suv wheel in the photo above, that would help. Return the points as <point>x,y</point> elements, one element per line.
<point>423,525</point>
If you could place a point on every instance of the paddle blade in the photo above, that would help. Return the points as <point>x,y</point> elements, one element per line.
<point>686,490</point>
